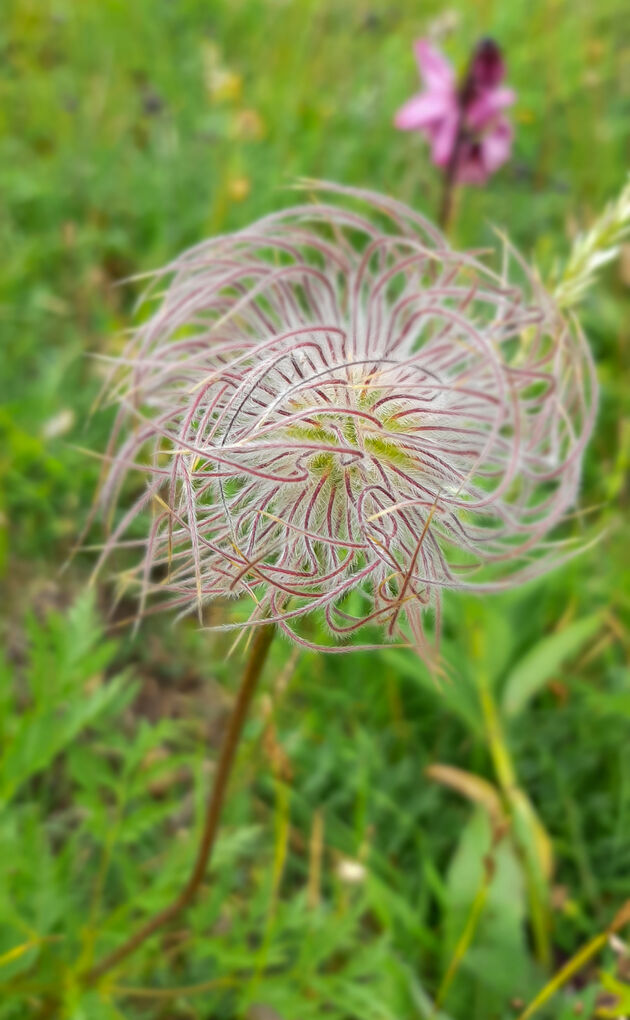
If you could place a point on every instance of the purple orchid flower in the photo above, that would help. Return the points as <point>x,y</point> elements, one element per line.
<point>465,123</point>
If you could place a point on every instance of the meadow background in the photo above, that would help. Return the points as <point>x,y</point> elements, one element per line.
<point>358,877</point>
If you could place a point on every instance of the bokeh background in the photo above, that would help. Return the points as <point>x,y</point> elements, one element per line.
<point>358,876</point>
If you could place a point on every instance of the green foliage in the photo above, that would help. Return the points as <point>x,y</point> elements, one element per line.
<point>128,131</point>
<point>620,994</point>
<point>63,692</point>
<point>499,949</point>
<point>544,660</point>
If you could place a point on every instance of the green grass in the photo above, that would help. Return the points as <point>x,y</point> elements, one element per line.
<point>129,130</point>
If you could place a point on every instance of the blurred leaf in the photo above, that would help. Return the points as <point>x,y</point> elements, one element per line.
<point>533,832</point>
<point>66,689</point>
<point>621,992</point>
<point>497,960</point>
<point>455,693</point>
<point>43,734</point>
<point>91,1006</point>
<point>476,789</point>
<point>16,952</point>
<point>540,664</point>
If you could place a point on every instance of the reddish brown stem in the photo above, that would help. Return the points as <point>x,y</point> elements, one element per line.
<point>253,669</point>
<point>449,186</point>
<point>447,202</point>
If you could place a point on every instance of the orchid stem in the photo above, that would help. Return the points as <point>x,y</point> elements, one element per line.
<point>251,675</point>
<point>447,204</point>
<point>449,187</point>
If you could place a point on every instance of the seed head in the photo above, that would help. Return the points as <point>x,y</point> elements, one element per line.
<point>336,411</point>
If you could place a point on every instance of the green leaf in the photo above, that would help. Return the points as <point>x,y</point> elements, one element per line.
<point>66,692</point>
<point>542,661</point>
<point>453,693</point>
<point>41,736</point>
<point>495,965</point>
<point>621,992</point>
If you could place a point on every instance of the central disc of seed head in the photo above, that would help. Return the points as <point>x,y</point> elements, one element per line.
<point>333,487</point>
<point>348,434</point>
<point>358,431</point>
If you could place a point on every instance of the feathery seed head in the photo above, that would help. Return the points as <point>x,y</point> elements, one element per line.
<point>334,410</point>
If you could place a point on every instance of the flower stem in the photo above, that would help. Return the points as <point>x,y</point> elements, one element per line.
<point>251,675</point>
<point>449,186</point>
<point>447,202</point>
<point>575,964</point>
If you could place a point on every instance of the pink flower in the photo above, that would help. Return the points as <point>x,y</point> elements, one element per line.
<point>469,133</point>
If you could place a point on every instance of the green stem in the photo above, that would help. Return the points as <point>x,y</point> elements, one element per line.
<point>466,937</point>
<point>576,962</point>
<point>508,781</point>
<point>506,774</point>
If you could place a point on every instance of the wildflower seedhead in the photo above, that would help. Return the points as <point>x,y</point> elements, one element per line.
<point>335,410</point>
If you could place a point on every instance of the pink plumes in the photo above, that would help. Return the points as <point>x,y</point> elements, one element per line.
<point>333,410</point>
